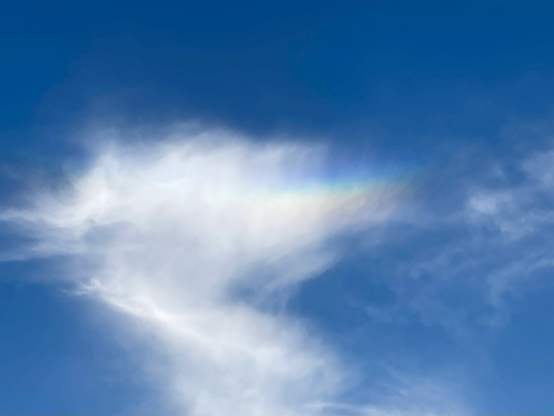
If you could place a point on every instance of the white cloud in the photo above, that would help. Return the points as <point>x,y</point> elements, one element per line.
<point>174,233</point>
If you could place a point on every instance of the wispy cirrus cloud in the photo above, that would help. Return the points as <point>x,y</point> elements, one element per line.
<point>199,239</point>
<point>480,239</point>
<point>195,239</point>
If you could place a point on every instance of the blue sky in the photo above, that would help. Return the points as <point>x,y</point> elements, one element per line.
<point>277,208</point>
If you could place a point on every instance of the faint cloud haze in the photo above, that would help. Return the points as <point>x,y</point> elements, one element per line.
<point>491,243</point>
